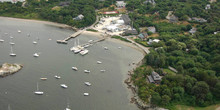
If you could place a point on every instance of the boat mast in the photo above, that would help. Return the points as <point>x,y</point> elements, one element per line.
<point>9,108</point>
<point>11,50</point>
<point>37,87</point>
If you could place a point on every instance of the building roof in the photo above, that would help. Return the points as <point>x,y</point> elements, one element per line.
<point>150,79</point>
<point>120,3</point>
<point>143,35</point>
<point>66,3</point>
<point>131,32</point>
<point>126,19</point>
<point>151,29</point>
<point>193,30</point>
<point>201,20</point>
<point>156,76</point>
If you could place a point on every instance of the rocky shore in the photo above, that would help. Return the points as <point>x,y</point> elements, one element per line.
<point>8,69</point>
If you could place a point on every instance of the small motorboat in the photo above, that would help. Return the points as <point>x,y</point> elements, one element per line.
<point>57,77</point>
<point>86,71</point>
<point>34,42</point>
<point>88,83</point>
<point>1,40</point>
<point>75,68</point>
<point>102,70</point>
<point>11,37</point>
<point>106,48</point>
<point>19,31</point>
<point>86,94</point>
<point>12,43</point>
<point>64,86</point>
<point>36,55</point>
<point>119,47</point>
<point>43,79</point>
<point>99,62</point>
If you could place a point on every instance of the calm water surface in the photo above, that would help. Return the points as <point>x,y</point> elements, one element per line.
<point>108,92</point>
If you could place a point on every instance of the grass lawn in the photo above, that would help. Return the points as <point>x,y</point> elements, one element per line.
<point>184,107</point>
<point>169,72</point>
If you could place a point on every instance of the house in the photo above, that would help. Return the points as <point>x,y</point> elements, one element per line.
<point>172,18</point>
<point>208,6</point>
<point>126,19</point>
<point>193,30</point>
<point>152,41</point>
<point>151,29</point>
<point>150,1</point>
<point>216,32</point>
<point>143,36</point>
<point>120,4</point>
<point>79,17</point>
<point>12,1</point>
<point>201,20</point>
<point>66,3</point>
<point>154,78</point>
<point>130,32</point>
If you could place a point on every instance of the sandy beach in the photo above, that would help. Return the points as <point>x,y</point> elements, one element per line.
<point>39,21</point>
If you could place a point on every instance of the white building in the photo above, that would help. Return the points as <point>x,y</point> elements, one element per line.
<point>12,1</point>
<point>79,17</point>
<point>120,4</point>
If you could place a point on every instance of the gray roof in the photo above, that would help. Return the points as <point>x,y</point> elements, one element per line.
<point>151,29</point>
<point>150,79</point>
<point>142,35</point>
<point>67,3</point>
<point>126,19</point>
<point>201,20</point>
<point>193,30</point>
<point>131,32</point>
<point>156,76</point>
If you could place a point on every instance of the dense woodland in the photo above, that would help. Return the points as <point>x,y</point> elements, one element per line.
<point>51,10</point>
<point>196,57</point>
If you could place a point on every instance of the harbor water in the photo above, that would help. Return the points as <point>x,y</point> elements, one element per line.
<point>107,92</point>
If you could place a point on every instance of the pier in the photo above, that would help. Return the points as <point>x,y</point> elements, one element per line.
<point>74,35</point>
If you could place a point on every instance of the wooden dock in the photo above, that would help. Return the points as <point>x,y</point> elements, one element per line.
<point>90,43</point>
<point>74,35</point>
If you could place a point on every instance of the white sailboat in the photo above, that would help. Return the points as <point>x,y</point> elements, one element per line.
<point>74,68</point>
<point>12,53</point>
<point>88,83</point>
<point>37,92</point>
<point>102,70</point>
<point>76,48</point>
<point>11,43</point>
<point>84,52</point>
<point>99,62</point>
<point>86,94</point>
<point>64,86</point>
<point>36,55</point>
<point>57,77</point>
<point>106,48</point>
<point>1,40</point>
<point>34,42</point>
<point>86,71</point>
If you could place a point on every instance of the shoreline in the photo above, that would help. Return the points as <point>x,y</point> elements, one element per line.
<point>130,85</point>
<point>40,21</point>
<point>134,99</point>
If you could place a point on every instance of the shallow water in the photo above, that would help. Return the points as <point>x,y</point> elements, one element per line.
<point>108,92</point>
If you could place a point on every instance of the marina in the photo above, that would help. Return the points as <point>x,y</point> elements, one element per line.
<point>53,68</point>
